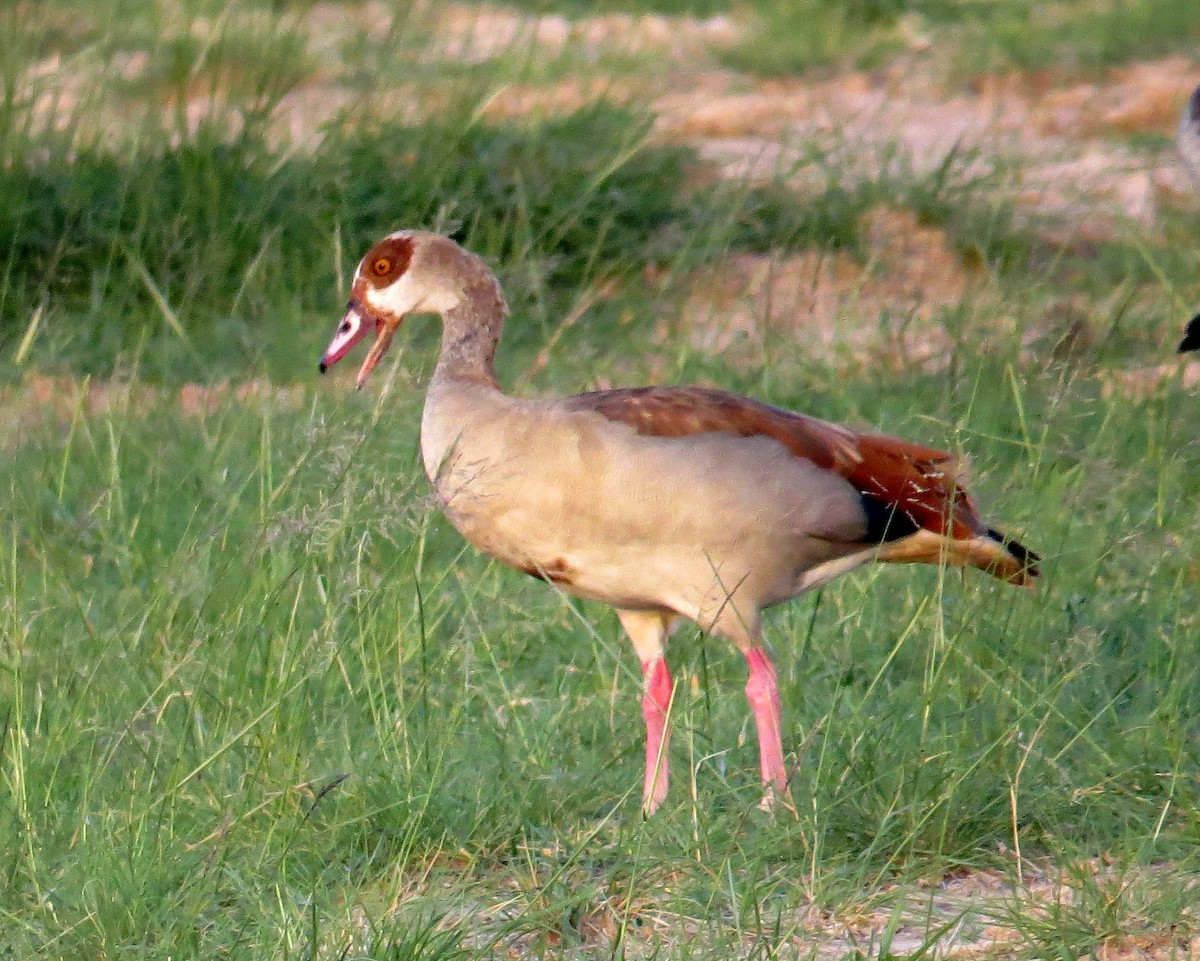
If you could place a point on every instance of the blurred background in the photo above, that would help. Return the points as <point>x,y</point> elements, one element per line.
<point>184,182</point>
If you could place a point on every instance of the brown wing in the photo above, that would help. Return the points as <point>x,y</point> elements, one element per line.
<point>923,483</point>
<point>919,482</point>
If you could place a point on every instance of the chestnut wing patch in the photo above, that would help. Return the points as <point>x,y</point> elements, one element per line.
<point>922,483</point>
<point>907,485</point>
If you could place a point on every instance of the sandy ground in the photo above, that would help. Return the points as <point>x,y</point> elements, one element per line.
<point>973,915</point>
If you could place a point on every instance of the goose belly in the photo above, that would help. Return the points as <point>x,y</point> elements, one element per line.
<point>638,522</point>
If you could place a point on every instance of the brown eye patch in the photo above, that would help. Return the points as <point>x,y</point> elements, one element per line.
<point>387,260</point>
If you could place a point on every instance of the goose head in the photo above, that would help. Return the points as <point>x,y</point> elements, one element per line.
<point>408,272</point>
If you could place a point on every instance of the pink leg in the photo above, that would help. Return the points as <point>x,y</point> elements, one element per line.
<point>648,631</point>
<point>763,694</point>
<point>656,703</point>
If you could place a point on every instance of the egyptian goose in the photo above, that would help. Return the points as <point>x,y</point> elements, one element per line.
<point>1188,141</point>
<point>665,502</point>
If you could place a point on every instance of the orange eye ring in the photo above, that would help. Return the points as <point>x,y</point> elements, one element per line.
<point>382,267</point>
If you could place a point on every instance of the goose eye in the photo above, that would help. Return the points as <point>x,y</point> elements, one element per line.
<point>345,327</point>
<point>382,267</point>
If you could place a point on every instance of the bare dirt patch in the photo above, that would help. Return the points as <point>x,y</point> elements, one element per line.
<point>1141,98</point>
<point>973,914</point>
<point>1057,149</point>
<point>1142,382</point>
<point>476,33</point>
<point>891,301</point>
<point>532,101</point>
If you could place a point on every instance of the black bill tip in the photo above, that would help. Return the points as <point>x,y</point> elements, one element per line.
<point>322,367</point>
<point>1023,555</point>
<point>1191,336</point>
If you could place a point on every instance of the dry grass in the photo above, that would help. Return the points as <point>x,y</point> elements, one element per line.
<point>886,304</point>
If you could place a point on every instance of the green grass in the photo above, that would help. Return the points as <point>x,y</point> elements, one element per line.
<point>1084,38</point>
<point>193,247</point>
<point>789,37</point>
<point>258,700</point>
<point>255,685</point>
<point>197,241</point>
